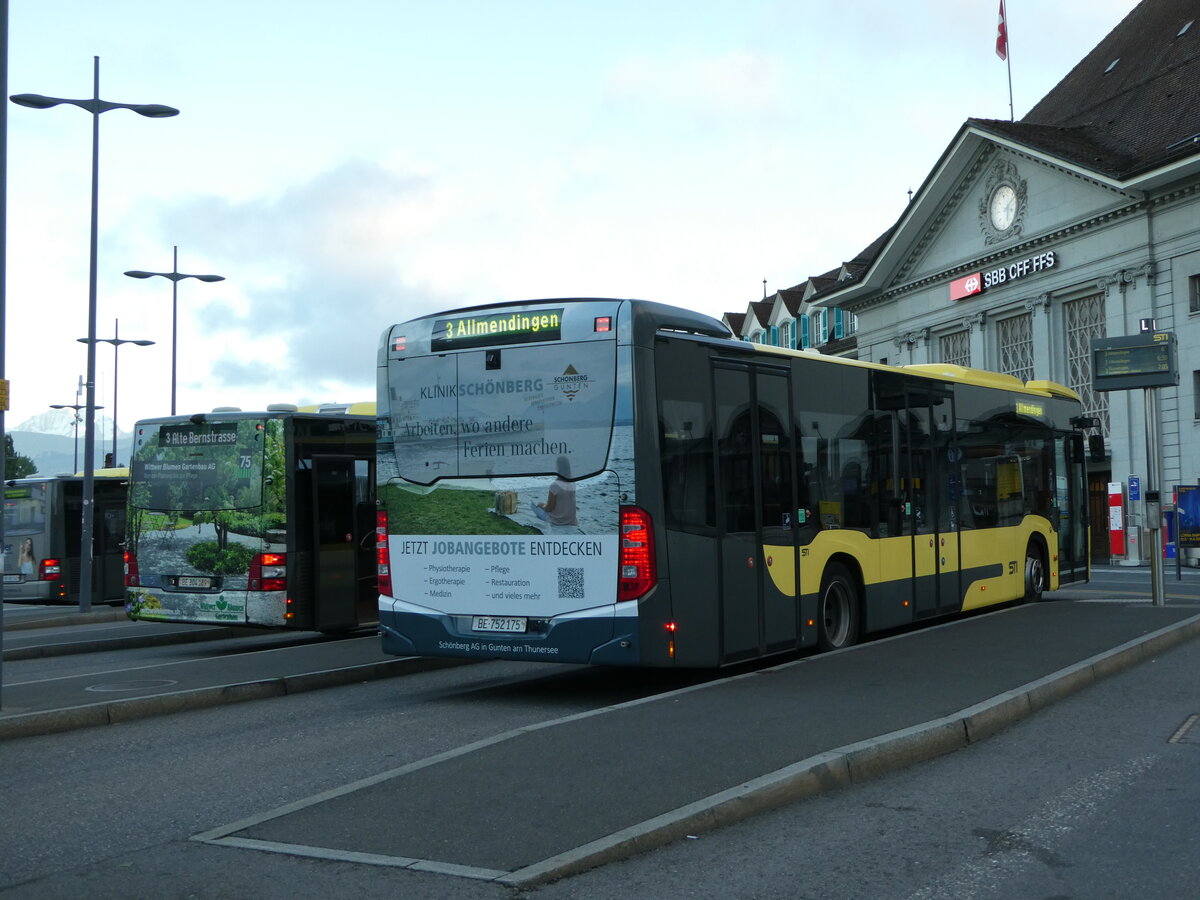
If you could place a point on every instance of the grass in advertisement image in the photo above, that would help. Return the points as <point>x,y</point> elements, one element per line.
<point>446,510</point>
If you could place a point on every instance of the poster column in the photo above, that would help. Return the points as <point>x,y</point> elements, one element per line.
<point>1116,520</point>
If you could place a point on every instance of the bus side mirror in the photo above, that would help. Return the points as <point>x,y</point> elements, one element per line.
<point>1096,447</point>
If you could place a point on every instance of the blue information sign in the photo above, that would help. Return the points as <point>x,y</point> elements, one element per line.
<point>1135,487</point>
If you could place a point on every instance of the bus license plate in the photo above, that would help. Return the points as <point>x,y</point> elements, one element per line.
<point>510,624</point>
<point>193,581</point>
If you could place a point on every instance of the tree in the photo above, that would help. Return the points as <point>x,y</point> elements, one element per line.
<point>15,465</point>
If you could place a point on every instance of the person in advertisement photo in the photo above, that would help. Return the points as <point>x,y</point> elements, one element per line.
<point>559,508</point>
<point>26,557</point>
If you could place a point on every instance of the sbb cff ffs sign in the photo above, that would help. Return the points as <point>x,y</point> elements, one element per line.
<point>1146,360</point>
<point>979,282</point>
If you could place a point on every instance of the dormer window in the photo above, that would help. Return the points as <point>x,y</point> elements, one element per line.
<point>1112,65</point>
<point>1183,30</point>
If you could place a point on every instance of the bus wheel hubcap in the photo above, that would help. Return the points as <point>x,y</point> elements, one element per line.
<point>835,615</point>
<point>1034,574</point>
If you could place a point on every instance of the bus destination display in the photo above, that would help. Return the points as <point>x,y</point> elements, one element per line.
<point>1136,361</point>
<point>491,329</point>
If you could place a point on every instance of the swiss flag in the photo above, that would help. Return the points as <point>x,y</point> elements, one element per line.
<point>1002,35</point>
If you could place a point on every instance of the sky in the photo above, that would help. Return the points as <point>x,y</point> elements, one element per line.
<point>346,166</point>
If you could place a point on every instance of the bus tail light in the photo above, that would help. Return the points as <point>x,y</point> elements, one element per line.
<point>50,570</point>
<point>268,572</point>
<point>383,568</point>
<point>132,576</point>
<point>637,569</point>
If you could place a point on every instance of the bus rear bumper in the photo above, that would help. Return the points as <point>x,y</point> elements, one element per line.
<point>35,592</point>
<point>575,640</point>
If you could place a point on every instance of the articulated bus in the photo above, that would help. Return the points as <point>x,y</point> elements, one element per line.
<point>254,518</point>
<point>43,525</point>
<point>621,482</point>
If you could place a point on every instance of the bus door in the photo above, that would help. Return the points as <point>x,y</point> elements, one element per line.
<point>931,488</point>
<point>1071,503</point>
<point>335,545</point>
<point>754,488</point>
<point>109,542</point>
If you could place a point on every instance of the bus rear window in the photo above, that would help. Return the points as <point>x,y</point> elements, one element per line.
<point>25,509</point>
<point>511,411</point>
<point>204,466</point>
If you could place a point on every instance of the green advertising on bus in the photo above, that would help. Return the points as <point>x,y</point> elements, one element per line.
<point>254,518</point>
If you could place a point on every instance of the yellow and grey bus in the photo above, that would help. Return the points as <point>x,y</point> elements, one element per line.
<point>254,518</point>
<point>621,482</point>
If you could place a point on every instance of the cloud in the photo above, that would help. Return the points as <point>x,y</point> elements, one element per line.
<point>313,278</point>
<point>734,84</point>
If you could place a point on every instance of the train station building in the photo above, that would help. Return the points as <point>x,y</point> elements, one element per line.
<point>1030,238</point>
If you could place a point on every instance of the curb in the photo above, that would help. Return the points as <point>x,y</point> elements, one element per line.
<point>115,712</point>
<point>44,651</point>
<point>855,763</point>
<point>110,614</point>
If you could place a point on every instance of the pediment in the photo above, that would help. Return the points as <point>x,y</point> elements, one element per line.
<point>1002,199</point>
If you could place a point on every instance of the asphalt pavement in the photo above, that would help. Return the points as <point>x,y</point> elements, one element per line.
<point>224,674</point>
<point>566,795</point>
<point>542,802</point>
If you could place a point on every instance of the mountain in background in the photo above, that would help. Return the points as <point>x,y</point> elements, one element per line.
<point>49,440</point>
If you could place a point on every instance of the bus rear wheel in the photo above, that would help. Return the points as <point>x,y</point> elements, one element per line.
<point>1035,572</point>
<point>837,609</point>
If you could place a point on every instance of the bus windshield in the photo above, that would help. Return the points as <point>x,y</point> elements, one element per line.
<point>511,411</point>
<point>199,466</point>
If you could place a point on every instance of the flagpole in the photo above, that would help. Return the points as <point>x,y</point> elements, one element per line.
<point>1012,117</point>
<point>1008,59</point>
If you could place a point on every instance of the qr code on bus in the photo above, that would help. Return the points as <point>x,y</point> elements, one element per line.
<point>570,584</point>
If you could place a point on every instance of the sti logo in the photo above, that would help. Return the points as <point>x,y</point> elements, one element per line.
<point>966,286</point>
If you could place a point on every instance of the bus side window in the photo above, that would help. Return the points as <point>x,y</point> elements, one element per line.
<point>854,499</point>
<point>683,382</point>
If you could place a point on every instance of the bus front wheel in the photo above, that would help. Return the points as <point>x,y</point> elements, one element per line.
<point>837,612</point>
<point>1035,572</point>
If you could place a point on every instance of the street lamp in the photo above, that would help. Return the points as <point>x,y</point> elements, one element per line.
<point>176,276</point>
<point>77,407</point>
<point>95,106</point>
<point>116,342</point>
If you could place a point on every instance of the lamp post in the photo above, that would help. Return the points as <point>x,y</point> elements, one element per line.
<point>176,276</point>
<point>116,342</point>
<point>77,407</point>
<point>95,106</point>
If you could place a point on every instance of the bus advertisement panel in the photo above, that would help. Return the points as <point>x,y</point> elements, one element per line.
<point>201,513</point>
<point>505,458</point>
<point>27,540</point>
